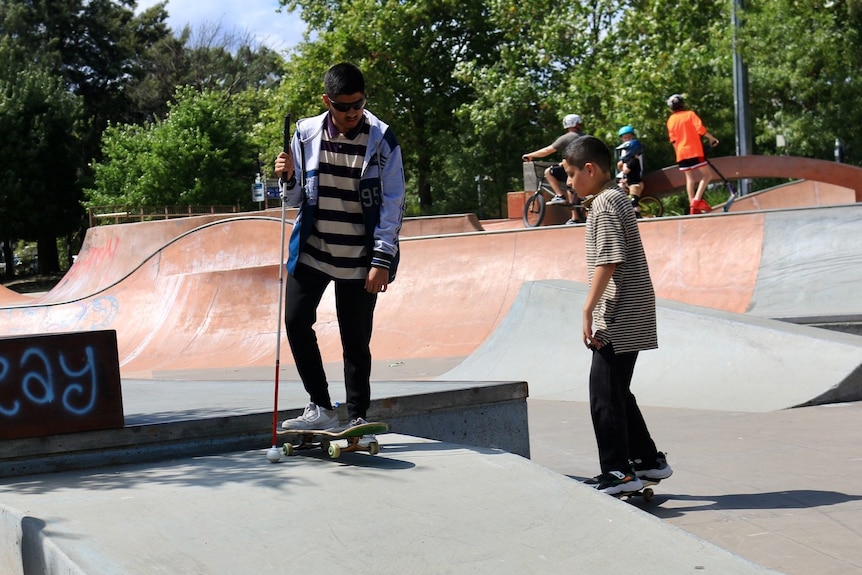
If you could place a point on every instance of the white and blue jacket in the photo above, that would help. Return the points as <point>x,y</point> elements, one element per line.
<point>381,190</point>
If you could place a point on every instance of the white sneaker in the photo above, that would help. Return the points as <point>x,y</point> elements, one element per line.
<point>557,200</point>
<point>365,440</point>
<point>314,417</point>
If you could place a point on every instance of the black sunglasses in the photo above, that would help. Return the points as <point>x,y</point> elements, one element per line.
<point>345,107</point>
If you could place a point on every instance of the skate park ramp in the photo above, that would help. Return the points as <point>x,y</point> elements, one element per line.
<point>203,302</point>
<point>208,297</point>
<point>743,363</point>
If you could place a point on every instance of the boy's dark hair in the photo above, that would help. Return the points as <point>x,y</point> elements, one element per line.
<point>588,149</point>
<point>344,78</point>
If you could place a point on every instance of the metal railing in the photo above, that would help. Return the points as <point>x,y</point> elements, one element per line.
<point>102,215</point>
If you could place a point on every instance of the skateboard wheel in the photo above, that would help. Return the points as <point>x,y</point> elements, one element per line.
<point>334,450</point>
<point>648,494</point>
<point>373,448</point>
<point>287,449</point>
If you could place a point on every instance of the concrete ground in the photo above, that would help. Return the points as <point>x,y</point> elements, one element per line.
<point>777,489</point>
<point>420,507</point>
<point>782,488</point>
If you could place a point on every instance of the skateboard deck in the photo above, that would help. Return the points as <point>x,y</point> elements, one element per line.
<point>646,491</point>
<point>325,439</point>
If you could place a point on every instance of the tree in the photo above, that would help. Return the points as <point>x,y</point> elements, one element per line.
<point>96,46</point>
<point>92,47</point>
<point>409,52</point>
<point>201,153</point>
<point>497,77</point>
<point>207,58</point>
<point>805,76</point>
<point>39,120</point>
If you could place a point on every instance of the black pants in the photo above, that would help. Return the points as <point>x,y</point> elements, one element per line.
<point>621,432</point>
<point>355,311</point>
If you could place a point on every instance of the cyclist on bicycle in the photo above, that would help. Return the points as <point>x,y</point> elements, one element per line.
<point>555,175</point>
<point>630,165</point>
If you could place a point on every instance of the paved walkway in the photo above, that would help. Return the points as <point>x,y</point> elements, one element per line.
<point>780,488</point>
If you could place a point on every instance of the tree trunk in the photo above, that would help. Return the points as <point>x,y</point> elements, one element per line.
<point>423,184</point>
<point>49,259</point>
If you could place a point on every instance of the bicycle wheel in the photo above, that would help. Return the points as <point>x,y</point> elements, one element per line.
<point>534,210</point>
<point>650,207</point>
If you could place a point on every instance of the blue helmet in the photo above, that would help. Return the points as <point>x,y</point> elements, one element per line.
<point>625,130</point>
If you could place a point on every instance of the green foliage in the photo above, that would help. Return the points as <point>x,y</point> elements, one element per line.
<point>409,52</point>
<point>468,87</point>
<point>805,76</point>
<point>496,78</point>
<point>201,153</point>
<point>39,121</point>
<point>208,59</point>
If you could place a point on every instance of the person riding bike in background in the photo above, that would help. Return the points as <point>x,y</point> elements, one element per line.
<point>555,175</point>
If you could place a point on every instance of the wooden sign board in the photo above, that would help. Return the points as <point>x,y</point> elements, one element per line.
<point>59,383</point>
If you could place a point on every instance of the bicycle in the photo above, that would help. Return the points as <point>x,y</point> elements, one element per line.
<point>650,206</point>
<point>535,206</point>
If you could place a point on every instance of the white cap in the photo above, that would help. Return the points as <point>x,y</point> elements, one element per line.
<point>571,120</point>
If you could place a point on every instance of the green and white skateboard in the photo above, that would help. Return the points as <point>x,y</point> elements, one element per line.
<point>300,439</point>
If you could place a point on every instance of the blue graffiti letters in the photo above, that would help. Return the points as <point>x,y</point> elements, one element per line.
<point>77,387</point>
<point>44,376</point>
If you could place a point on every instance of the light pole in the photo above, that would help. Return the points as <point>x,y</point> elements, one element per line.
<point>740,95</point>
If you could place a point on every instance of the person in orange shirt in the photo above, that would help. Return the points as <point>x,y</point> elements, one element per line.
<point>685,130</point>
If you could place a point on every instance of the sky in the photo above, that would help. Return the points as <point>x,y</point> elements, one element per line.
<point>278,31</point>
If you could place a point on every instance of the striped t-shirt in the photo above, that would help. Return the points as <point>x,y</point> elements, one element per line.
<point>625,314</point>
<point>336,246</point>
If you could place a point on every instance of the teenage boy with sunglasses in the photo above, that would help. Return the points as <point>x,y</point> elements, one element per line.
<point>345,173</point>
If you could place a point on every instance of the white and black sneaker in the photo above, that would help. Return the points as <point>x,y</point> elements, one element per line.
<point>314,417</point>
<point>615,482</point>
<point>655,470</point>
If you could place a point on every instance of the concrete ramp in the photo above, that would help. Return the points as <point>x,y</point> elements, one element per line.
<point>811,264</point>
<point>707,359</point>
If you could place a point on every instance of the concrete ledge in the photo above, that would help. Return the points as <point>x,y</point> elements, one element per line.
<point>10,542</point>
<point>477,414</point>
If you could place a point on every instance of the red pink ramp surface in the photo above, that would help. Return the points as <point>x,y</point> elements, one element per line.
<point>208,297</point>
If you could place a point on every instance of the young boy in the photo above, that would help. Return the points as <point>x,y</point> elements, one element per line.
<point>619,320</point>
<point>630,165</point>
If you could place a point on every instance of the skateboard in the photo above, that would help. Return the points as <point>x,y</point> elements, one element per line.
<point>646,491</point>
<point>299,439</point>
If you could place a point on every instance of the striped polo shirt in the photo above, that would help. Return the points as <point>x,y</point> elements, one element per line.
<point>336,246</point>
<point>625,314</point>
